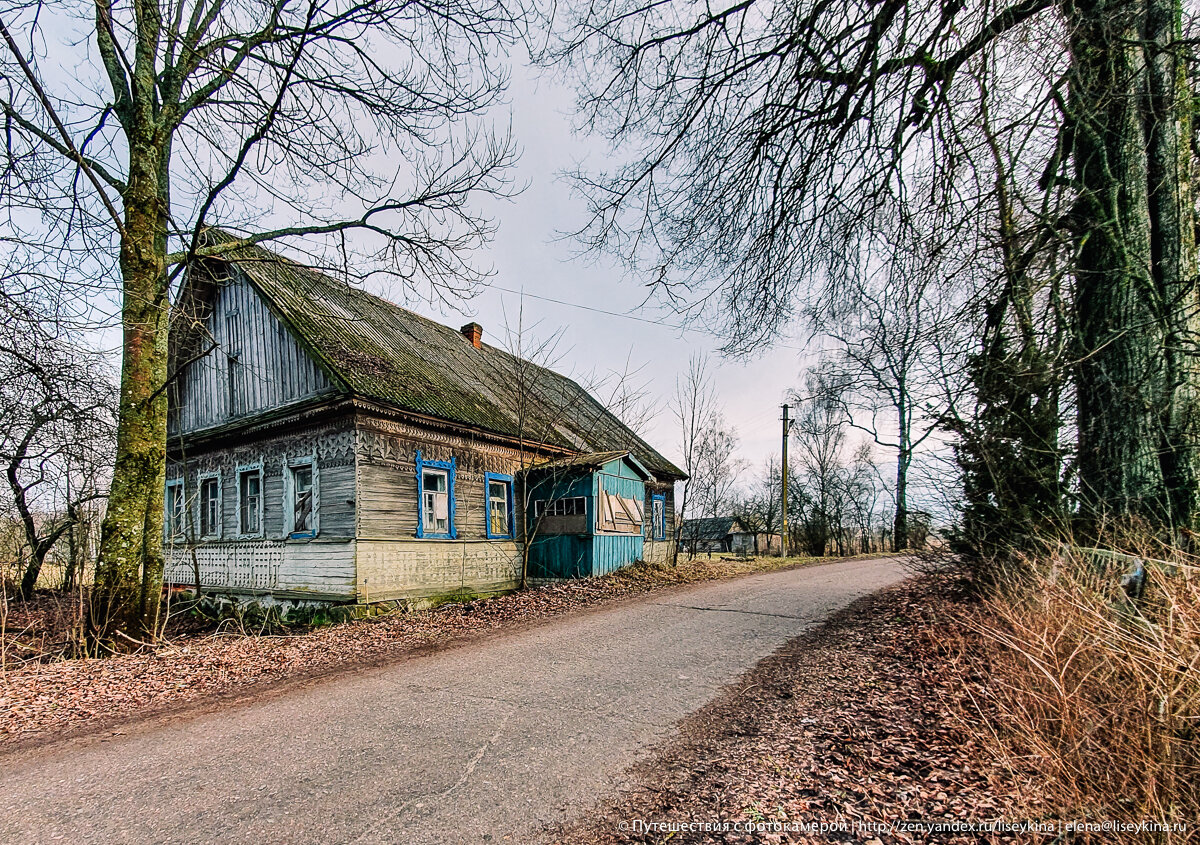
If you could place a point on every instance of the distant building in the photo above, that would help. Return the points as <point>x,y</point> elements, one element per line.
<point>728,534</point>
<point>326,444</point>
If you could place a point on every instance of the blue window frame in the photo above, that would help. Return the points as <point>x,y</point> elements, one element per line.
<point>498,491</point>
<point>658,505</point>
<point>435,499</point>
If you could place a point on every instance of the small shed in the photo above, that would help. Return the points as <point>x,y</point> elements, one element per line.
<point>730,534</point>
<point>586,515</point>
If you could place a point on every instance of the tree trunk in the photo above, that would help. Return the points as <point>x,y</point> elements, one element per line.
<point>1120,375</point>
<point>72,557</point>
<point>37,557</point>
<point>1168,117</point>
<point>129,567</point>
<point>900,525</point>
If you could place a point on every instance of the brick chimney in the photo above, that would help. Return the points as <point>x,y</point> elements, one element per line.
<point>474,333</point>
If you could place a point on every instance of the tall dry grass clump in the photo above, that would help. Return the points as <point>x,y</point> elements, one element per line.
<point>1098,690</point>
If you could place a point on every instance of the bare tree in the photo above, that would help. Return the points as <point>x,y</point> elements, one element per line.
<point>304,118</point>
<point>692,405</point>
<point>56,428</point>
<point>526,382</point>
<point>717,468</point>
<point>553,415</point>
<point>820,437</point>
<point>763,142</point>
<point>863,489</point>
<point>899,352</point>
<point>760,504</point>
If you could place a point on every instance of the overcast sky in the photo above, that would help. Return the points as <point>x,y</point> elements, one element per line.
<point>530,255</point>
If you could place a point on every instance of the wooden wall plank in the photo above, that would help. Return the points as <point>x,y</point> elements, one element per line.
<point>272,370</point>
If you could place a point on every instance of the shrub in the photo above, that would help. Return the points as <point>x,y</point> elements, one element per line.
<point>1098,691</point>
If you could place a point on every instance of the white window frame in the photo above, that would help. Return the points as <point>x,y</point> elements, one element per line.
<point>174,518</point>
<point>246,469</point>
<point>290,465</point>
<point>559,506</point>
<point>430,525</point>
<point>201,480</point>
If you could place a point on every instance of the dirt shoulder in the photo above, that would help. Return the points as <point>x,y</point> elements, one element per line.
<point>859,724</point>
<point>44,702</point>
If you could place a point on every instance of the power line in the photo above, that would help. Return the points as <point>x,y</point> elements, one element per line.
<point>592,308</point>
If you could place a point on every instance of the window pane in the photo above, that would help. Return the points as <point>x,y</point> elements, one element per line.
<point>302,499</point>
<point>210,511</point>
<point>436,502</point>
<point>249,489</point>
<point>498,508</point>
<point>174,510</point>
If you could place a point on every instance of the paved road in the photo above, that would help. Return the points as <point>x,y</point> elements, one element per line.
<point>485,742</point>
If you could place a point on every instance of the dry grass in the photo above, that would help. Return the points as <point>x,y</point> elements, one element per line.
<point>1098,692</point>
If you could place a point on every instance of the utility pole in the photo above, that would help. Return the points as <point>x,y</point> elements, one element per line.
<point>787,425</point>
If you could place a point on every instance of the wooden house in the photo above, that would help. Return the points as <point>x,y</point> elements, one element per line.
<point>729,534</point>
<point>325,444</point>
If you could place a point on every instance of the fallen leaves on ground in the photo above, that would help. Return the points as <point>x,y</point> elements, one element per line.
<point>861,723</point>
<point>39,700</point>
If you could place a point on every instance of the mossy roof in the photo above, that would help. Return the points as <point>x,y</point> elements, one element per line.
<point>594,461</point>
<point>380,351</point>
<point>711,528</point>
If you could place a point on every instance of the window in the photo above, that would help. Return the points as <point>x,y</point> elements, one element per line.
<point>210,506</point>
<point>619,514</point>
<point>435,498</point>
<point>659,516</point>
<point>233,351</point>
<point>499,505</point>
<point>301,498</point>
<point>250,502</point>
<point>173,510</point>
<point>571,506</point>
<point>436,504</point>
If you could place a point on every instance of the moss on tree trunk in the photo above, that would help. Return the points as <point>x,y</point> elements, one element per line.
<point>129,571</point>
<point>1120,372</point>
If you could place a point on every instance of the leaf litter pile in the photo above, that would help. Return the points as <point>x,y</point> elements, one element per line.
<point>42,700</point>
<point>866,721</point>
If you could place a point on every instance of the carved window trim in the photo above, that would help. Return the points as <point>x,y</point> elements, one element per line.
<point>239,472</point>
<point>290,465</point>
<point>201,480</point>
<point>450,467</point>
<point>490,478</point>
<point>174,510</point>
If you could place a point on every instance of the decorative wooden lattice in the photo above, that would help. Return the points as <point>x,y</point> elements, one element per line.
<point>236,566</point>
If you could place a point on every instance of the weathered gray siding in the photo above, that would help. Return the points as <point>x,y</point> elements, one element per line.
<point>321,567</point>
<point>254,365</point>
<point>387,478</point>
<point>393,563</point>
